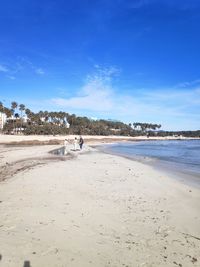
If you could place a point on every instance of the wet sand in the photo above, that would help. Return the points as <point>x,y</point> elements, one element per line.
<point>93,209</point>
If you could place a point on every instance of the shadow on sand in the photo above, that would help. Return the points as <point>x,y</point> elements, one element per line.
<point>27,264</point>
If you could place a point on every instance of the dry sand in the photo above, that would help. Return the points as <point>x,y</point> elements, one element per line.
<point>93,209</point>
<point>57,139</point>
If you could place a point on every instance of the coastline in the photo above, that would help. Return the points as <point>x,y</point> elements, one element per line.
<point>89,139</point>
<point>181,174</point>
<point>94,209</point>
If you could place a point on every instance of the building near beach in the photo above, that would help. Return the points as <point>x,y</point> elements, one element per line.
<point>67,125</point>
<point>2,120</point>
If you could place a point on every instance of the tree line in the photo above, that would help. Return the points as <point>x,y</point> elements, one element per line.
<point>52,122</point>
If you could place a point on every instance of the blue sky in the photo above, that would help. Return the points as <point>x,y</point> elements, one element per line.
<point>132,60</point>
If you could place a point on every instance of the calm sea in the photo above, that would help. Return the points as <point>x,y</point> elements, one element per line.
<point>177,155</point>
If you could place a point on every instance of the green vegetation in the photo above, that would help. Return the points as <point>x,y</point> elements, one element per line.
<point>45,123</point>
<point>192,134</point>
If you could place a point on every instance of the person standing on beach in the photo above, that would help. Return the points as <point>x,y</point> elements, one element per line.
<point>75,143</point>
<point>81,141</point>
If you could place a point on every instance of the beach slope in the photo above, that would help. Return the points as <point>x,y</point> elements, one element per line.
<point>96,210</point>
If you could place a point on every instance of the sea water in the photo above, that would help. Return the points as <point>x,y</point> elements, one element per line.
<point>179,155</point>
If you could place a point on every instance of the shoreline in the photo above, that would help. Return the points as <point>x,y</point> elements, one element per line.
<point>95,209</point>
<point>57,140</point>
<point>171,169</point>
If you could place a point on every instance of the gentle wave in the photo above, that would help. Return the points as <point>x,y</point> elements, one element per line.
<point>184,155</point>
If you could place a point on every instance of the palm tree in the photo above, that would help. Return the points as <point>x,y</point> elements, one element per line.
<point>28,112</point>
<point>21,108</point>
<point>17,115</point>
<point>14,105</point>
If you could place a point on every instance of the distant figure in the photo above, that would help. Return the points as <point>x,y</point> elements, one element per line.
<point>66,142</point>
<point>81,142</point>
<point>75,143</point>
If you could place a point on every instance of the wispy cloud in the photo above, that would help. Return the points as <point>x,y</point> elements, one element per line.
<point>19,66</point>
<point>99,97</point>
<point>97,90</point>
<point>39,71</point>
<point>3,68</point>
<point>11,77</point>
<point>188,84</point>
<point>26,64</point>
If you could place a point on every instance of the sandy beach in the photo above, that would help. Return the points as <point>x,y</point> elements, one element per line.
<point>94,139</point>
<point>92,209</point>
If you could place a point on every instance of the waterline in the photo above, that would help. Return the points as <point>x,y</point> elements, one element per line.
<point>181,158</point>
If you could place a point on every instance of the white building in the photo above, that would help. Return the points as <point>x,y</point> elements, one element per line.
<point>67,125</point>
<point>2,120</point>
<point>137,128</point>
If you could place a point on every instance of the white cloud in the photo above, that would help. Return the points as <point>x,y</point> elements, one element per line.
<point>95,95</point>
<point>174,97</point>
<point>39,71</point>
<point>3,68</point>
<point>21,65</point>
<point>188,84</point>
<point>99,98</point>
<point>11,77</point>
